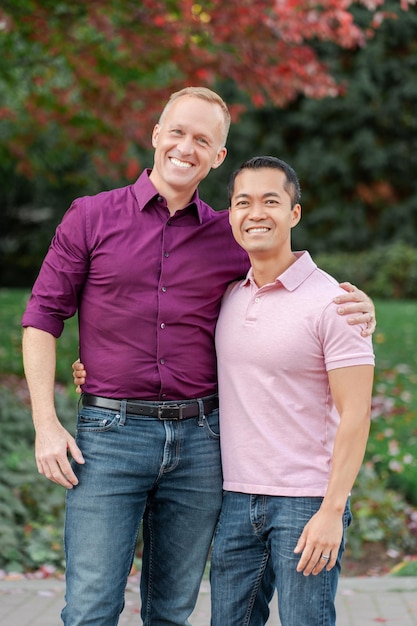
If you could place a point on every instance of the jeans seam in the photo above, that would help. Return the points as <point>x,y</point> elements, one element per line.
<point>150,571</point>
<point>255,590</point>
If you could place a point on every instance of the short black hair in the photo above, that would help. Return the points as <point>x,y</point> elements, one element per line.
<point>292,184</point>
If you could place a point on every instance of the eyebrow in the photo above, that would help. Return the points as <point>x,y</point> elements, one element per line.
<point>265,195</point>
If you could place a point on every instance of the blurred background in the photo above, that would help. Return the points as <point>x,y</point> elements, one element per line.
<point>329,86</point>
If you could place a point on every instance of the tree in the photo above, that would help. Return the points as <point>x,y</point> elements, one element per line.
<point>82,77</point>
<point>356,154</point>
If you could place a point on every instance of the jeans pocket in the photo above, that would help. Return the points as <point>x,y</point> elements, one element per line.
<point>211,425</point>
<point>96,420</point>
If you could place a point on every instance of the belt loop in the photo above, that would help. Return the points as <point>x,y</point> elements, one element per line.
<point>122,412</point>
<point>80,403</point>
<point>201,416</point>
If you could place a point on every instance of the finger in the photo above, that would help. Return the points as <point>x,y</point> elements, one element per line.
<point>370,326</point>
<point>347,286</point>
<point>367,319</point>
<point>76,453</point>
<point>311,564</point>
<point>308,559</point>
<point>323,562</point>
<point>52,471</point>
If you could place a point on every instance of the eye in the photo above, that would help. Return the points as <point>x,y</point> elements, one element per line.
<point>203,141</point>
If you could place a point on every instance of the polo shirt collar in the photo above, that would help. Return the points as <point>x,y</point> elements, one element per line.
<point>294,276</point>
<point>145,192</point>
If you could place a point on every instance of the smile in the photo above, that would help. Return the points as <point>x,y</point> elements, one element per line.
<point>258,229</point>
<point>179,163</point>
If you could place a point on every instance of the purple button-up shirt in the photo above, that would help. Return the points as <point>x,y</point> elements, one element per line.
<point>147,286</point>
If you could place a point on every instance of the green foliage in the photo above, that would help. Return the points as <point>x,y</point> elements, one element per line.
<point>392,446</point>
<point>380,515</point>
<point>384,501</point>
<point>384,272</point>
<point>12,306</point>
<point>356,154</point>
<point>31,507</point>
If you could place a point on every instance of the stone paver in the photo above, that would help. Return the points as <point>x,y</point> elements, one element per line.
<point>360,602</point>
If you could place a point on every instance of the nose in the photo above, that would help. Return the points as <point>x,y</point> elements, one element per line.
<point>185,145</point>
<point>257,211</point>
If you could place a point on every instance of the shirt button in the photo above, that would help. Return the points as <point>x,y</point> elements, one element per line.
<point>164,289</point>
<point>162,361</point>
<point>257,299</point>
<point>160,199</point>
<point>166,255</point>
<point>162,325</point>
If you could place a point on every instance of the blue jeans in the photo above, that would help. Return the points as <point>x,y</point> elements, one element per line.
<point>166,472</point>
<point>254,535</point>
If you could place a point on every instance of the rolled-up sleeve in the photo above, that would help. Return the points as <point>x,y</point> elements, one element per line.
<point>62,275</point>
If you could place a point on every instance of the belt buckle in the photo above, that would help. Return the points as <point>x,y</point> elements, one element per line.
<point>171,407</point>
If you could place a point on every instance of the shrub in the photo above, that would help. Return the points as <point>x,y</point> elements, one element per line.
<point>383,272</point>
<point>31,507</point>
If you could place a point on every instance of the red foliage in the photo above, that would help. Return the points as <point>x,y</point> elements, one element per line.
<point>101,71</point>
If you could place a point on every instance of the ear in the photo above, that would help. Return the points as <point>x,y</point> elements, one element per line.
<point>220,157</point>
<point>296,215</point>
<point>155,135</point>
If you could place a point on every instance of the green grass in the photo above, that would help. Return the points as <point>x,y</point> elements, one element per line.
<point>395,339</point>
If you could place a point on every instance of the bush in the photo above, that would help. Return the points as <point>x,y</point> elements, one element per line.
<point>31,507</point>
<point>384,272</point>
<point>380,515</point>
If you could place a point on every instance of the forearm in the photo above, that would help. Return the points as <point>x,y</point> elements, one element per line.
<point>348,453</point>
<point>53,442</point>
<point>39,360</point>
<point>351,389</point>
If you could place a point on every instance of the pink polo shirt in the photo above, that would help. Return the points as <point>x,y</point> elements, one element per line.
<point>274,348</point>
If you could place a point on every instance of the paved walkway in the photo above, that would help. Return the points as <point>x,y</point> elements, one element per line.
<point>360,602</point>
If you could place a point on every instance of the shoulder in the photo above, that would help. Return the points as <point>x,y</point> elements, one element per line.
<point>111,197</point>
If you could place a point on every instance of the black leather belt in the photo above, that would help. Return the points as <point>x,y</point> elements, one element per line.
<point>170,410</point>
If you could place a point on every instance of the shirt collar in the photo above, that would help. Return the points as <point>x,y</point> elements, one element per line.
<point>145,192</point>
<point>294,276</point>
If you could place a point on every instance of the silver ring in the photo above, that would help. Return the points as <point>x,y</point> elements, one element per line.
<point>325,557</point>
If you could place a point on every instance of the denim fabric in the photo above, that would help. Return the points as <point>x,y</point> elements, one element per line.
<point>256,533</point>
<point>167,472</point>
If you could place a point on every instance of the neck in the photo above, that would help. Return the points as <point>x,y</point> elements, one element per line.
<point>265,271</point>
<point>176,200</point>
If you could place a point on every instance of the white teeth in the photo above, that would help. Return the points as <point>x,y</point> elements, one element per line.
<point>179,163</point>
<point>258,230</point>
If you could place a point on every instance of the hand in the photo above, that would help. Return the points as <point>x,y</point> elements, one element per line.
<point>79,375</point>
<point>51,450</point>
<point>356,301</point>
<point>321,538</point>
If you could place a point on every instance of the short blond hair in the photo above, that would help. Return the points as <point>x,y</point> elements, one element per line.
<point>204,94</point>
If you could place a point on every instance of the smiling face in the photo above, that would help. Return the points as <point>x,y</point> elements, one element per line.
<point>188,142</point>
<point>261,215</point>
